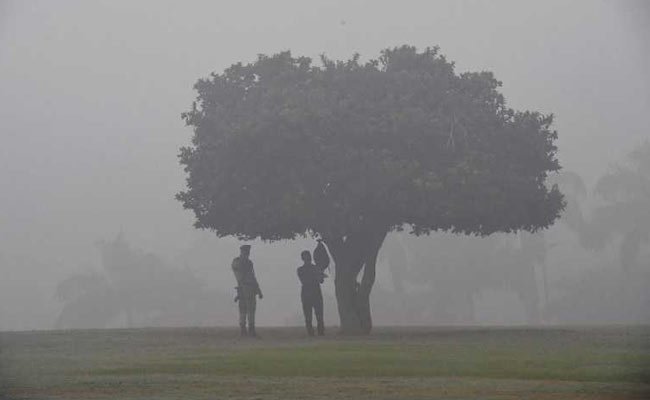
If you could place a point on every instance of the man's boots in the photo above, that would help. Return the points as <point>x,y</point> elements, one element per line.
<point>310,330</point>
<point>251,331</point>
<point>242,331</point>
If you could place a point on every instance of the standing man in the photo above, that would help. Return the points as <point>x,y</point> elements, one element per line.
<point>247,289</point>
<point>311,277</point>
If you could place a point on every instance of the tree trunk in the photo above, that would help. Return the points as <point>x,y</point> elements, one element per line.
<point>352,255</point>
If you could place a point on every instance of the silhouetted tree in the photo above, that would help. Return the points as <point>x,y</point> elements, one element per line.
<point>626,212</point>
<point>458,269</point>
<point>89,301</point>
<point>349,151</point>
<point>137,286</point>
<point>603,295</point>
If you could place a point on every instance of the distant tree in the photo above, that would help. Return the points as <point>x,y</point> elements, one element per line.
<point>457,270</point>
<point>626,212</point>
<point>349,151</point>
<point>535,248</point>
<point>89,301</point>
<point>134,285</point>
<point>602,294</point>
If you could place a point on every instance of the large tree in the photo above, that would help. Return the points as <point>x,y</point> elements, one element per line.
<point>350,150</point>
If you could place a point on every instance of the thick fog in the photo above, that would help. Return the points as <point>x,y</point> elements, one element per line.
<point>90,100</point>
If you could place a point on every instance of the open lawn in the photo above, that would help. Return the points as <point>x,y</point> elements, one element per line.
<point>408,363</point>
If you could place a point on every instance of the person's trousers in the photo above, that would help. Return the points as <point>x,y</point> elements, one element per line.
<point>313,301</point>
<point>247,306</point>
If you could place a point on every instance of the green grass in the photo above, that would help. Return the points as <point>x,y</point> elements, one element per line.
<point>392,363</point>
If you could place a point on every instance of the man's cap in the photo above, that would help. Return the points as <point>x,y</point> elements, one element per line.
<point>245,247</point>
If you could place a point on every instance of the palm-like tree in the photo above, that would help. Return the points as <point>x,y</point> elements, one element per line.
<point>626,212</point>
<point>603,295</point>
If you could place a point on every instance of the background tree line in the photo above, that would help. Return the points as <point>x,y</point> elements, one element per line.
<point>435,279</point>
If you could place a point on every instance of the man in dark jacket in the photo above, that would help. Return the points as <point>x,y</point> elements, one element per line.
<point>311,278</point>
<point>247,289</point>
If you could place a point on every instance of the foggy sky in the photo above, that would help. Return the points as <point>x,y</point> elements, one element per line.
<point>91,95</point>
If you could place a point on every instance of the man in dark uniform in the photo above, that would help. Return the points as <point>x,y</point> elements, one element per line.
<point>311,277</point>
<point>247,289</point>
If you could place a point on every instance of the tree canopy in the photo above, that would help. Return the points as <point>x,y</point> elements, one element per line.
<point>283,147</point>
<point>350,150</point>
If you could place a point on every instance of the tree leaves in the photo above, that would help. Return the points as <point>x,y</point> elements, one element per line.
<point>282,148</point>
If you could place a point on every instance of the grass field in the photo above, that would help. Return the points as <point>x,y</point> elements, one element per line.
<point>408,363</point>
